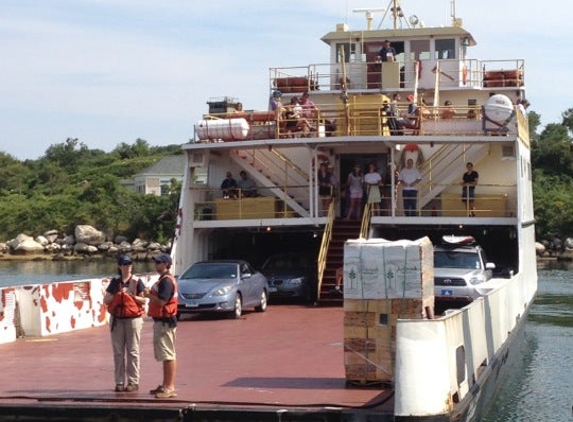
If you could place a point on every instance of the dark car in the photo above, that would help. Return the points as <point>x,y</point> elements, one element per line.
<point>292,275</point>
<point>222,286</point>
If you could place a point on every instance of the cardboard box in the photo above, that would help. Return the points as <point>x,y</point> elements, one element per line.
<point>383,269</point>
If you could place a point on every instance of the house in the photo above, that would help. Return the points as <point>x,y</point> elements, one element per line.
<point>156,179</point>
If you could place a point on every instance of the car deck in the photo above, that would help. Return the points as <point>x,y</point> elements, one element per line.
<point>286,360</point>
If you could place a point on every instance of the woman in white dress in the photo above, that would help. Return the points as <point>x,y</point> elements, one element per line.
<point>373,181</point>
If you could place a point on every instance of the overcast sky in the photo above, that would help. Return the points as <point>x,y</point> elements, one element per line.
<point>112,71</point>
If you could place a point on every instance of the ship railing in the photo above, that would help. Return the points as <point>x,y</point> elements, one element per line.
<point>263,203</point>
<point>490,200</point>
<point>368,75</point>
<point>323,252</point>
<point>366,218</point>
<point>370,120</point>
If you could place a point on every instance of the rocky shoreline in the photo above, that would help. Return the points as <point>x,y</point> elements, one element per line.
<point>87,243</point>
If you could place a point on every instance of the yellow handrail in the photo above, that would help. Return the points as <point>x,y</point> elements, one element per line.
<point>326,237</point>
<point>365,226</point>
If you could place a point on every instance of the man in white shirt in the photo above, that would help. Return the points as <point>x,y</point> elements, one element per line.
<point>409,177</point>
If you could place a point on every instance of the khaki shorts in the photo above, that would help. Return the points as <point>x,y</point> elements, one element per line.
<point>163,341</point>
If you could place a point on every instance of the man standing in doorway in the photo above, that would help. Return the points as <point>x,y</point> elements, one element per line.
<point>409,177</point>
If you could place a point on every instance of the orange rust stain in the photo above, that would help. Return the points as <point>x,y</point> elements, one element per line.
<point>44,304</point>
<point>73,322</point>
<point>102,313</point>
<point>48,323</point>
<point>62,291</point>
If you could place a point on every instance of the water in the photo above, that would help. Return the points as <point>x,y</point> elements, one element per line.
<point>18,273</point>
<point>541,389</point>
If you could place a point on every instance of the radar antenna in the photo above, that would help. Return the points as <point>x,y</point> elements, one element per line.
<point>369,15</point>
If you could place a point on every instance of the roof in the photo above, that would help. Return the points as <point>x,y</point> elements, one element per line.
<point>172,165</point>
<point>400,34</point>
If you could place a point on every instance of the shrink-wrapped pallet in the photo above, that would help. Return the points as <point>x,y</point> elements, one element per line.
<point>383,269</point>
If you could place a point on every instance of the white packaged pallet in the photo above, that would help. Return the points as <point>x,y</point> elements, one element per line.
<point>383,269</point>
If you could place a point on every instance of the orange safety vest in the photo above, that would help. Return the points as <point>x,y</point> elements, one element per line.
<point>168,310</point>
<point>123,305</point>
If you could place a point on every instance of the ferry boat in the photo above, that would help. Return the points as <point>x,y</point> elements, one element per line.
<point>447,359</point>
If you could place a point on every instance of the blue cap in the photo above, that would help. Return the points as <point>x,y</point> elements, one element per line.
<point>124,260</point>
<point>165,258</point>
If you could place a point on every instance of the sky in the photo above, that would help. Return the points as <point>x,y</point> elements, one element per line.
<point>111,71</point>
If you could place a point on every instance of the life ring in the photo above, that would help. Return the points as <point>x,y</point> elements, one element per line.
<point>465,74</point>
<point>322,158</point>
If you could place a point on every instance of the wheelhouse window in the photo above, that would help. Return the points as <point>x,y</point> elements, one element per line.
<point>446,49</point>
<point>350,53</point>
<point>420,50</point>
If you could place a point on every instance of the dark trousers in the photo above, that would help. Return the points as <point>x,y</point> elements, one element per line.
<point>410,197</point>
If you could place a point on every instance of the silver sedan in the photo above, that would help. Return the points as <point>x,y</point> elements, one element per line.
<point>222,286</point>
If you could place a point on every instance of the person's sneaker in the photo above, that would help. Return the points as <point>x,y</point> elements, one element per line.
<point>119,388</point>
<point>131,387</point>
<point>165,394</point>
<point>156,390</point>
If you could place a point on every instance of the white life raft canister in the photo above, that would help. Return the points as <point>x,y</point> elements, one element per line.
<point>223,129</point>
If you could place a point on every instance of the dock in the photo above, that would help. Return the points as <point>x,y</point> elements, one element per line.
<point>284,364</point>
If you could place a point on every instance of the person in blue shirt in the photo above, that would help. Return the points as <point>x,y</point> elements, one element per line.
<point>387,52</point>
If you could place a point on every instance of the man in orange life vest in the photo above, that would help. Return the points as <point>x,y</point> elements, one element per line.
<point>125,301</point>
<point>163,309</point>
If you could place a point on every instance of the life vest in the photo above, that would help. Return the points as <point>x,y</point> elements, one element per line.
<point>123,305</point>
<point>168,310</point>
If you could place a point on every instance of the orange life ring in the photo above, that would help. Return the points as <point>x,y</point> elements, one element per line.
<point>464,74</point>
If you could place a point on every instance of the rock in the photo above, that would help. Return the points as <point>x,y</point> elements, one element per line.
<point>119,239</point>
<point>88,235</point>
<point>51,235</point>
<point>569,243</point>
<point>139,244</point>
<point>540,249</point>
<point>84,248</point>
<point>566,255</point>
<point>42,240</point>
<point>28,246</point>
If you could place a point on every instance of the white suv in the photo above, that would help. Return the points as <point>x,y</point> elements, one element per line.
<point>460,271</point>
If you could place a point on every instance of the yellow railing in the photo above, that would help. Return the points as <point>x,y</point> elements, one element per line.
<point>365,226</point>
<point>323,252</point>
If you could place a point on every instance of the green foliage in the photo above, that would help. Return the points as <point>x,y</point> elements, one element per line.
<point>73,185</point>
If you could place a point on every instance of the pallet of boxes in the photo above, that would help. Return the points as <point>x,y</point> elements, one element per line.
<point>383,281</point>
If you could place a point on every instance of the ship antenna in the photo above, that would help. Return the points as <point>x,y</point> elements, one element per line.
<point>453,12</point>
<point>397,13</point>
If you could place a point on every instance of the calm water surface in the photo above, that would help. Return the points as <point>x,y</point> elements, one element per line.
<point>540,389</point>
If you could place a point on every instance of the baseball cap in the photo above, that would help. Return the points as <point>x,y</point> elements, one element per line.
<point>410,97</point>
<point>163,258</point>
<point>124,260</point>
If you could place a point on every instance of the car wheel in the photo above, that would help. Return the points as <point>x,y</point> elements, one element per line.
<point>238,309</point>
<point>262,307</point>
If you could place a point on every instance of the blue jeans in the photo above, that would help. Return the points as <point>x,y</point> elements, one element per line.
<point>410,197</point>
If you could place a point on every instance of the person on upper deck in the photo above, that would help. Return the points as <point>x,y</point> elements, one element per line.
<point>309,109</point>
<point>325,187</point>
<point>229,187</point>
<point>373,182</point>
<point>387,53</point>
<point>409,177</point>
<point>469,183</point>
<point>448,112</point>
<point>294,119</point>
<point>247,186</point>
<point>409,119</point>
<point>354,184</point>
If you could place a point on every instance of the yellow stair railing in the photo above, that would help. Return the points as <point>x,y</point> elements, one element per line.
<point>326,237</point>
